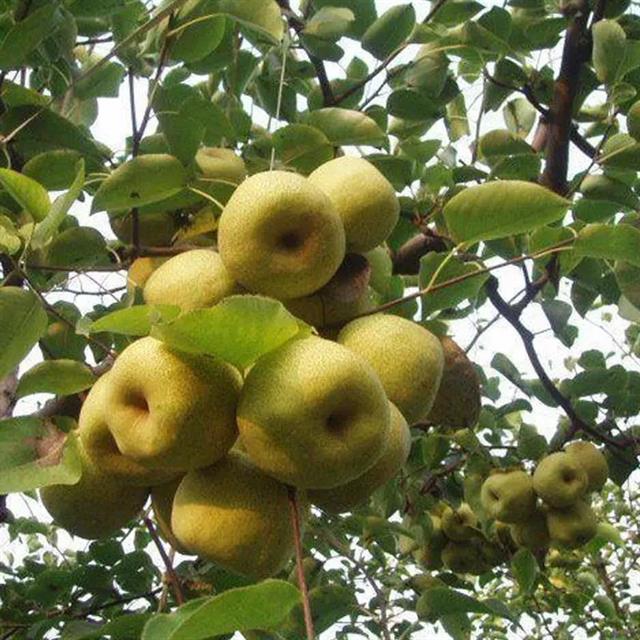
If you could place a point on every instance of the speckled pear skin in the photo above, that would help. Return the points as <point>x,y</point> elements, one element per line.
<point>280,235</point>
<point>234,515</point>
<point>508,496</point>
<point>365,200</point>
<point>457,404</point>
<point>572,526</point>
<point>218,162</point>
<point>560,480</point>
<point>97,506</point>
<point>171,410</point>
<point>349,495</point>
<point>408,359</point>
<point>592,460</point>
<point>313,414</point>
<point>140,271</point>
<point>162,497</point>
<point>101,448</point>
<point>191,280</point>
<point>533,533</point>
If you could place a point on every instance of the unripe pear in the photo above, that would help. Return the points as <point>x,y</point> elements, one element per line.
<point>234,515</point>
<point>95,507</point>
<point>280,235</point>
<point>222,164</point>
<point>407,358</point>
<point>633,120</point>
<point>572,526</point>
<point>192,280</point>
<point>156,229</point>
<point>508,496</point>
<point>101,448</point>
<point>592,460</point>
<point>349,495</point>
<point>533,533</point>
<point>313,414</point>
<point>457,403</point>
<point>140,271</point>
<point>459,524</point>
<point>365,200</point>
<point>560,480</point>
<point>381,268</point>
<point>171,410</point>
<point>461,557</point>
<point>162,497</point>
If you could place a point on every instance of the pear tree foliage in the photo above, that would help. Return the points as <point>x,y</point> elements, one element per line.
<point>511,137</point>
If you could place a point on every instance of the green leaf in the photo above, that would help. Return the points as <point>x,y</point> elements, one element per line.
<point>302,147</point>
<point>103,82</point>
<point>77,247</point>
<point>35,453</point>
<point>621,151</point>
<point>525,569</point>
<point>54,170</point>
<point>22,322</point>
<point>134,321</point>
<point>501,208</point>
<point>143,180</point>
<point>389,31</point>
<point>609,44</point>
<point>329,23</point>
<point>610,242</point>
<point>443,601</point>
<point>183,134</point>
<point>46,229</point>
<point>10,242</point>
<point>262,15</point>
<point>453,294</point>
<point>346,127</point>
<point>239,329</point>
<point>412,105</point>
<point>202,36</point>
<point>28,193</point>
<point>61,377</point>
<point>531,445</point>
<point>25,36</point>
<point>363,10</point>
<point>261,606</point>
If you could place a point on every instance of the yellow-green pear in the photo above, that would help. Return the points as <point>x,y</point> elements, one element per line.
<point>462,557</point>
<point>140,271</point>
<point>459,524</point>
<point>171,410</point>
<point>508,496</point>
<point>381,268</point>
<point>280,235</point>
<point>162,496</point>
<point>313,414</point>
<point>572,526</point>
<point>592,460</point>
<point>407,358</point>
<point>191,280</point>
<point>222,164</point>
<point>156,229</point>
<point>560,480</point>
<point>101,448</point>
<point>234,515</point>
<point>533,533</point>
<point>633,120</point>
<point>351,494</point>
<point>457,403</point>
<point>365,200</point>
<point>95,507</point>
<point>430,556</point>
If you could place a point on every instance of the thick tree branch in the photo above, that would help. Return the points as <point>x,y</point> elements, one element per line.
<point>406,260</point>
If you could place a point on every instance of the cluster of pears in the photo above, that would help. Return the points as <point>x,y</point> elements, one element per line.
<point>217,448</point>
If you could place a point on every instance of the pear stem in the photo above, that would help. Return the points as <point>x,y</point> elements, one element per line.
<point>302,583</point>
<point>172,577</point>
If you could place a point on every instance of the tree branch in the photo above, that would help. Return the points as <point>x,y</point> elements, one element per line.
<point>171,574</point>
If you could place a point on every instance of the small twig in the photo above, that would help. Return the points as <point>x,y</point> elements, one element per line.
<point>171,574</point>
<point>302,583</point>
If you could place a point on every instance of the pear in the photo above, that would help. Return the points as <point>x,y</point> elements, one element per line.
<point>100,446</point>
<point>171,410</point>
<point>457,403</point>
<point>533,533</point>
<point>156,229</point>
<point>280,235</point>
<point>313,414</point>
<point>592,460</point>
<point>430,556</point>
<point>365,200</point>
<point>140,271</point>
<point>560,480</point>
<point>191,280</point>
<point>222,164</point>
<point>351,494</point>
<point>572,526</point>
<point>381,268</point>
<point>407,358</point>
<point>459,524</point>
<point>162,497</point>
<point>461,557</point>
<point>95,507</point>
<point>234,515</point>
<point>508,496</point>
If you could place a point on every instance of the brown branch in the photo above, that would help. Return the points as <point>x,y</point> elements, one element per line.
<point>406,260</point>
<point>297,541</point>
<point>170,571</point>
